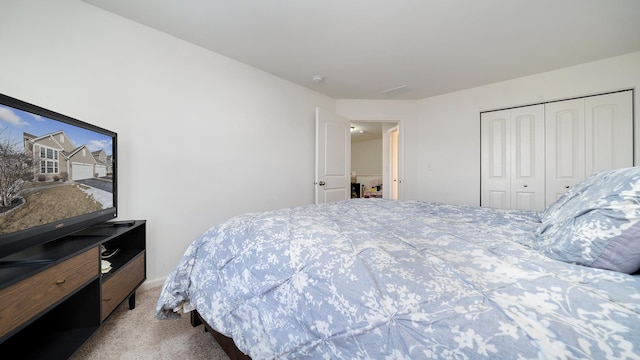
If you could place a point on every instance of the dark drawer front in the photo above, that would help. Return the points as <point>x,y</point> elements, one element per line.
<point>121,284</point>
<point>24,300</point>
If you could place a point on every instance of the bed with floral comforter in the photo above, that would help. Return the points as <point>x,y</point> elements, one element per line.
<point>384,279</point>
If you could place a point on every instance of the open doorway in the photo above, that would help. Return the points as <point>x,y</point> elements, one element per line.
<point>374,159</point>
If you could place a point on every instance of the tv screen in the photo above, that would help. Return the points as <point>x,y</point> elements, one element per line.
<point>57,175</point>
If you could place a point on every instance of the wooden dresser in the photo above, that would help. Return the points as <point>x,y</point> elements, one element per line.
<point>54,296</point>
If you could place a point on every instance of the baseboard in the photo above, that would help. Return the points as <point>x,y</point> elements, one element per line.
<point>151,283</point>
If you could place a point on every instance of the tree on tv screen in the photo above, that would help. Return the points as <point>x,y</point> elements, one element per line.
<point>15,171</point>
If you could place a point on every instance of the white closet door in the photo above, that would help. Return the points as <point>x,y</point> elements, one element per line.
<point>609,131</point>
<point>565,146</point>
<point>587,135</point>
<point>531,155</point>
<point>512,155</point>
<point>495,129</point>
<point>527,158</point>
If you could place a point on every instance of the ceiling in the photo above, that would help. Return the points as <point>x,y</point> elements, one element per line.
<point>365,130</point>
<point>420,48</point>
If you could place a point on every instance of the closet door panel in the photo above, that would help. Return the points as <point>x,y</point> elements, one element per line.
<point>495,181</point>
<point>565,143</point>
<point>527,158</point>
<point>609,131</point>
<point>524,200</point>
<point>498,199</point>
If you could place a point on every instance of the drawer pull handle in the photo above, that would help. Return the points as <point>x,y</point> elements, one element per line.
<point>60,282</point>
<point>108,299</point>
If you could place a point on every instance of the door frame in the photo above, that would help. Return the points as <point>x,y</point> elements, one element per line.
<point>393,135</point>
<point>386,194</point>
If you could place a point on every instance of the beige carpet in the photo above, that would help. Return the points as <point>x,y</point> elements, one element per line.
<point>137,334</point>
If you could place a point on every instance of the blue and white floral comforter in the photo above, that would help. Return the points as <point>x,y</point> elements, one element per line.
<point>384,279</point>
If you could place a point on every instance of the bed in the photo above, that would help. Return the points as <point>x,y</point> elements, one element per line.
<point>385,279</point>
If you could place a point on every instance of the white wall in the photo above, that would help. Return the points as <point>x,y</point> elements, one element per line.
<point>366,157</point>
<point>201,137</point>
<point>441,139</point>
<point>366,162</point>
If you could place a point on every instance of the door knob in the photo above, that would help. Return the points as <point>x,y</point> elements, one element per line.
<point>322,183</point>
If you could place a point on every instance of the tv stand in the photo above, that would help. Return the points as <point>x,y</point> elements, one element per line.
<point>55,296</point>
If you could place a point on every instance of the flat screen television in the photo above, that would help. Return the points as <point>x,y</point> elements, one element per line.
<point>58,175</point>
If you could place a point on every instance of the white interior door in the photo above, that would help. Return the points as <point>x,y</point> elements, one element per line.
<point>527,158</point>
<point>333,157</point>
<point>512,158</point>
<point>565,136</point>
<point>609,131</point>
<point>495,129</point>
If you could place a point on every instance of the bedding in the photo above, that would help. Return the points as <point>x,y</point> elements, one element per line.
<point>596,223</point>
<point>386,279</point>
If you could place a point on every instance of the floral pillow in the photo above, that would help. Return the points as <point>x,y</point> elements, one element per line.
<point>596,223</point>
<point>570,201</point>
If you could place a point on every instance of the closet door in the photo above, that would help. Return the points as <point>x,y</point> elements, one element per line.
<point>609,131</point>
<point>495,182</point>
<point>527,158</point>
<point>512,157</point>
<point>565,146</point>
<point>587,135</point>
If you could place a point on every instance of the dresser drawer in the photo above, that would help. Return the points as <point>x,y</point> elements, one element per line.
<point>121,284</point>
<point>24,300</point>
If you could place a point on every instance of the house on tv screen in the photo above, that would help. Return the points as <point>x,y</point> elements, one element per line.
<point>55,157</point>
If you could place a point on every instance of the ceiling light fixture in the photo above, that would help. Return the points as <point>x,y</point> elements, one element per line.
<point>317,79</point>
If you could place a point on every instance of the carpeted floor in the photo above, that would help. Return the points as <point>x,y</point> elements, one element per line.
<point>137,334</point>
